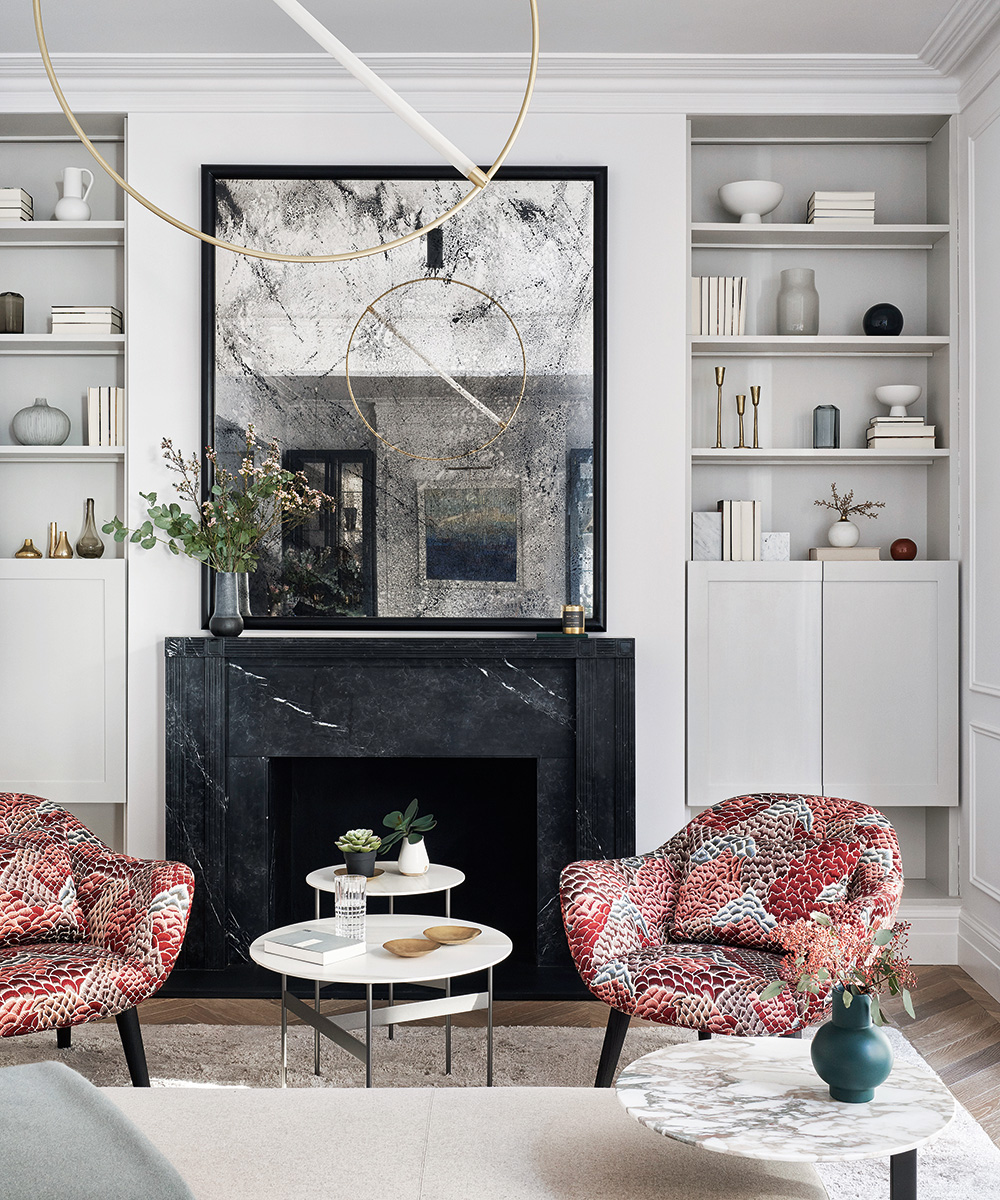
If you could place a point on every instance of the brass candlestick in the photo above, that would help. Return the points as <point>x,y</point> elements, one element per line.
<point>741,407</point>
<point>720,375</point>
<point>755,400</point>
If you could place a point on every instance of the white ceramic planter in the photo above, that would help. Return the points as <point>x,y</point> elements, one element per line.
<point>413,858</point>
<point>843,533</point>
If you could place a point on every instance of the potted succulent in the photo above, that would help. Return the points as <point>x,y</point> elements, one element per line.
<point>358,847</point>
<point>853,963</point>
<point>409,829</point>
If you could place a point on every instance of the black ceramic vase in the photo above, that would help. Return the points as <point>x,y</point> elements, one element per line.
<point>882,320</point>
<point>225,620</point>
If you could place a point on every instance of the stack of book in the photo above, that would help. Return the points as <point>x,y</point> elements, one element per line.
<point>15,205</point>
<point>89,319</point>
<point>313,945</point>
<point>900,433</point>
<point>841,208</point>
<point>105,416</point>
<point>718,305</point>
<point>741,521</point>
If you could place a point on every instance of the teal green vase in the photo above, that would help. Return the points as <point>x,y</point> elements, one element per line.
<point>851,1055</point>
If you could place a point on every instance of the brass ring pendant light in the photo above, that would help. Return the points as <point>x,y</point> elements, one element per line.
<point>503,425</point>
<point>479,182</point>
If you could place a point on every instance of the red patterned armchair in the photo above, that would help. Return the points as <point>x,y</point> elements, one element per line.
<point>682,935</point>
<point>84,933</point>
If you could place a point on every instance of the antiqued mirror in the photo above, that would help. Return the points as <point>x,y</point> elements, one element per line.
<point>448,395</point>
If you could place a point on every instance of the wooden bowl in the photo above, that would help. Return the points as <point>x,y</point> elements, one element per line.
<point>452,935</point>
<point>410,947</point>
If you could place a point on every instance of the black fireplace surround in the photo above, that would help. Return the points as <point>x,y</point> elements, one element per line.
<point>238,709</point>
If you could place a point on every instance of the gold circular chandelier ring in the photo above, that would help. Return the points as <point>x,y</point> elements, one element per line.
<point>345,255</point>
<point>505,425</point>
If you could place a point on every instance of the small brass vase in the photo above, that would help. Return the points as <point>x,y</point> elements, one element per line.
<point>28,550</point>
<point>63,548</point>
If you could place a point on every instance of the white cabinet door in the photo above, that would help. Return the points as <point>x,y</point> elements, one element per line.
<point>62,679</point>
<point>890,682</point>
<point>755,683</point>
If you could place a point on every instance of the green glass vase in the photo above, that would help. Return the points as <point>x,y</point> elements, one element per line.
<point>851,1055</point>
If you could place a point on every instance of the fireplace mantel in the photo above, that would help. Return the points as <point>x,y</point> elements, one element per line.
<point>233,704</point>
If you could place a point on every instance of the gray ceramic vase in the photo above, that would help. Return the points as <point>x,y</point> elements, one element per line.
<point>40,425</point>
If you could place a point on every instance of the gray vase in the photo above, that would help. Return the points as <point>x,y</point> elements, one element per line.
<point>40,425</point>
<point>798,303</point>
<point>225,620</point>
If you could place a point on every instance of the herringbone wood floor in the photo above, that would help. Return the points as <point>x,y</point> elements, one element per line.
<point>957,1028</point>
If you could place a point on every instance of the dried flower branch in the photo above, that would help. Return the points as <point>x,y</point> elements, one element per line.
<point>242,511</point>
<point>846,507</point>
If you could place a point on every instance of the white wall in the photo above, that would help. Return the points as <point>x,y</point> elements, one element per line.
<point>646,156</point>
<point>979,929</point>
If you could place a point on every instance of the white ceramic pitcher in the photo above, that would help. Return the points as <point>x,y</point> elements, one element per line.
<point>73,206</point>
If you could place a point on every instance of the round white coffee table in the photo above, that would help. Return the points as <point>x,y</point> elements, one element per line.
<point>376,966</point>
<point>390,884</point>
<point>761,1098</point>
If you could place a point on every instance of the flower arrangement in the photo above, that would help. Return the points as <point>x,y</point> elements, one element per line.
<point>241,512</point>
<point>822,955</point>
<point>406,825</point>
<point>847,508</point>
<point>358,841</point>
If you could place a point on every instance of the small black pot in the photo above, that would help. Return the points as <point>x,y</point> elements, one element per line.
<point>360,862</point>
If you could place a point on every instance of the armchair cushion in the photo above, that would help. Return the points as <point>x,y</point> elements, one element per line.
<point>38,897</point>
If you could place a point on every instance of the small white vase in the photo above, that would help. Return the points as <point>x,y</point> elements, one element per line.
<point>413,858</point>
<point>843,533</point>
<point>73,205</point>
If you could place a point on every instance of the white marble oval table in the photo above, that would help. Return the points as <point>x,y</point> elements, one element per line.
<point>762,1098</point>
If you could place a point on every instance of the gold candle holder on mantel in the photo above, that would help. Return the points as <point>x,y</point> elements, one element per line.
<point>755,400</point>
<point>741,407</point>
<point>720,375</point>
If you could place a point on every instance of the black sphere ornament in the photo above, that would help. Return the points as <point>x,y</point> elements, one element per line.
<point>882,320</point>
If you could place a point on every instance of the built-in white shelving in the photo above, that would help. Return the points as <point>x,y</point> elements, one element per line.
<point>58,343</point>
<point>806,457</point>
<point>62,233</point>
<point>823,344</point>
<point>62,454</point>
<point>729,235</point>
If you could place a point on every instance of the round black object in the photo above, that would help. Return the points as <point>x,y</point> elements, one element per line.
<point>883,320</point>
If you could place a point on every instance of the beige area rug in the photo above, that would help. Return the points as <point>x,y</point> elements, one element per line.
<point>963,1164</point>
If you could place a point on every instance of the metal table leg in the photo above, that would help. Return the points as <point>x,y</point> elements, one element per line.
<point>489,1028</point>
<point>391,1027</point>
<point>316,997</point>
<point>903,1176</point>
<point>284,1032</point>
<point>368,1035</point>
<point>447,1032</point>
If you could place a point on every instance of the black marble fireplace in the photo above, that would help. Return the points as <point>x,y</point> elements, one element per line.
<point>522,748</point>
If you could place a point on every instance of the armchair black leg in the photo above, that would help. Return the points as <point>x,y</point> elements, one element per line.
<point>64,1037</point>
<point>135,1055</point>
<point>614,1039</point>
<point>704,1035</point>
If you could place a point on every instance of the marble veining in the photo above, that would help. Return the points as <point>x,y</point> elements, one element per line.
<point>761,1098</point>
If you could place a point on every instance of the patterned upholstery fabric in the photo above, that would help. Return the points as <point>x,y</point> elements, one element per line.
<point>681,936</point>
<point>38,900</point>
<point>132,916</point>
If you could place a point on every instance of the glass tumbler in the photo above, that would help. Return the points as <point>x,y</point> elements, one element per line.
<point>350,902</point>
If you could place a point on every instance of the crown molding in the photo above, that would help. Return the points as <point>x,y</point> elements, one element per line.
<point>148,79</point>
<point>970,29</point>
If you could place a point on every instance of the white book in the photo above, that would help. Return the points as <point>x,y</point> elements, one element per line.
<point>105,416</point>
<point>742,307</point>
<point>748,552</point>
<point>896,421</point>
<point>726,508</point>
<point>705,330</point>
<point>844,553</point>
<point>696,305</point>
<point>852,221</point>
<point>119,407</point>
<point>758,520</point>
<point>312,945</point>
<point>843,196</point>
<point>14,193</point>
<point>898,443</point>
<point>93,416</point>
<point>902,431</point>
<point>843,205</point>
<point>713,305</point>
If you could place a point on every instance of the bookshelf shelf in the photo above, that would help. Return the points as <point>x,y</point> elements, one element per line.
<point>62,233</point>
<point>62,454</point>
<point>728,235</point>
<point>24,344</point>
<point>837,345</point>
<point>784,457</point>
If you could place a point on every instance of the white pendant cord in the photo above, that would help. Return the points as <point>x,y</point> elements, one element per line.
<point>350,62</point>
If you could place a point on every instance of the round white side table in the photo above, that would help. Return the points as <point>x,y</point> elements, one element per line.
<point>760,1097</point>
<point>391,884</point>
<point>376,966</point>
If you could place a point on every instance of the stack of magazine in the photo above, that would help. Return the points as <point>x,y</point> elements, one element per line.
<point>16,205</point>
<point>309,943</point>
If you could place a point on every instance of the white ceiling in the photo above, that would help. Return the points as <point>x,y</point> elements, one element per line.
<point>477,26</point>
